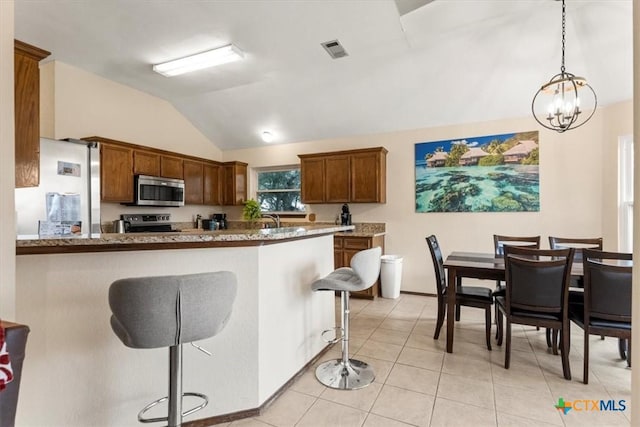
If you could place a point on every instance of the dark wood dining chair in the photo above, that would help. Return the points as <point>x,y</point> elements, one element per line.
<point>578,244</point>
<point>499,242</point>
<point>470,296</point>
<point>606,310</point>
<point>536,294</point>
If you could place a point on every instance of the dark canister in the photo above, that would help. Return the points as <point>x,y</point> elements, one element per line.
<point>221,219</point>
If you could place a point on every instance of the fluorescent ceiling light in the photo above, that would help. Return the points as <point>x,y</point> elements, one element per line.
<point>199,61</point>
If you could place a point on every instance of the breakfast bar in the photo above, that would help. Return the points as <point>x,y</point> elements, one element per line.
<point>76,371</point>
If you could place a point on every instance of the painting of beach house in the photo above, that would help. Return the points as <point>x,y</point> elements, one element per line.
<point>493,173</point>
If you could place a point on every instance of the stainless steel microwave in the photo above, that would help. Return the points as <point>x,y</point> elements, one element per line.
<point>158,191</point>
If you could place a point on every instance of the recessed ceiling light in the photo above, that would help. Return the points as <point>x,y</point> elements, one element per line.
<point>267,136</point>
<point>199,61</point>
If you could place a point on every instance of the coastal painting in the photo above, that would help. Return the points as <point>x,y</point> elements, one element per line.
<point>494,173</point>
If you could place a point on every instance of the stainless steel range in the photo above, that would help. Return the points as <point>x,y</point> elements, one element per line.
<point>148,223</point>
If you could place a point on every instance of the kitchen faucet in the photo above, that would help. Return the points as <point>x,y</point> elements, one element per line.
<point>273,217</point>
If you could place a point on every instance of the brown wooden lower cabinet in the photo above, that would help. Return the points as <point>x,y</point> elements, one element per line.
<point>345,247</point>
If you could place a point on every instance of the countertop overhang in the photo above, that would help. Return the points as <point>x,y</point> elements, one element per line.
<point>110,242</point>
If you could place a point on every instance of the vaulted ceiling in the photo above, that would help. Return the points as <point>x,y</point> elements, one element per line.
<point>414,64</point>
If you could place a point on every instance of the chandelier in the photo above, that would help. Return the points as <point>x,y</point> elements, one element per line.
<point>556,105</point>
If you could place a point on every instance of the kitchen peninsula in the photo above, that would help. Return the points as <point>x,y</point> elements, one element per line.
<point>78,373</point>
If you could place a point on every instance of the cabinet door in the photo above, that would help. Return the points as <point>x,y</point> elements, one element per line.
<point>368,178</point>
<point>312,180</point>
<point>193,182</point>
<point>241,184</point>
<point>337,177</point>
<point>116,173</point>
<point>27,113</point>
<point>146,163</point>
<point>227,187</point>
<point>338,257</point>
<point>211,192</point>
<point>171,167</point>
<point>234,184</point>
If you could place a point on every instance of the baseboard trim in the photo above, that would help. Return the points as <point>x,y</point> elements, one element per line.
<point>424,294</point>
<point>248,413</point>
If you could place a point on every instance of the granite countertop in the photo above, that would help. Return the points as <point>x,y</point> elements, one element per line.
<point>366,229</point>
<point>356,233</point>
<point>187,238</point>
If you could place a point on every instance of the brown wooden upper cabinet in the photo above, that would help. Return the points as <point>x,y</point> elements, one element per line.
<point>116,173</point>
<point>355,176</point>
<point>146,163</point>
<point>234,183</point>
<point>369,176</point>
<point>193,182</point>
<point>211,184</point>
<point>27,112</point>
<point>336,180</point>
<point>206,182</point>
<point>171,167</point>
<point>312,170</point>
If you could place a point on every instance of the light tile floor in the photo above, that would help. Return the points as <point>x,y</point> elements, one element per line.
<point>419,384</point>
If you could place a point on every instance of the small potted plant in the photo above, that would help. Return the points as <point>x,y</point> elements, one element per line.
<point>251,212</point>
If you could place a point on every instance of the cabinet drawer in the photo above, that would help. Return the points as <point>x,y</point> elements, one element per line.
<point>338,242</point>
<point>357,243</point>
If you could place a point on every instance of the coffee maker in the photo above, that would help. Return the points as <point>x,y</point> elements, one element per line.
<point>345,216</point>
<point>221,219</point>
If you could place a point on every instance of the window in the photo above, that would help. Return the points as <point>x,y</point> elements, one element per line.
<point>279,190</point>
<point>625,193</point>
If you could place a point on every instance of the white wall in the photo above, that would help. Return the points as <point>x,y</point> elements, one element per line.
<point>76,104</point>
<point>85,104</point>
<point>7,165</point>
<point>572,196</point>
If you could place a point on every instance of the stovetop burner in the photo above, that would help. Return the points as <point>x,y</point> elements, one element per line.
<point>148,223</point>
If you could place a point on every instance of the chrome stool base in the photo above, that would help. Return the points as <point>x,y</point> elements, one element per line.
<point>205,402</point>
<point>350,376</point>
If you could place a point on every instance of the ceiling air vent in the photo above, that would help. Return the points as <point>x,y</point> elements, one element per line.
<point>334,49</point>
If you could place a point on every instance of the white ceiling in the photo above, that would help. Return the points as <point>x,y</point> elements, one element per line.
<point>445,62</point>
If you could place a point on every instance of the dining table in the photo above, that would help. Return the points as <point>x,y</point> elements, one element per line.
<point>476,265</point>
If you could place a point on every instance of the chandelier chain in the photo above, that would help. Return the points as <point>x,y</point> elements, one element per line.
<point>565,109</point>
<point>563,35</point>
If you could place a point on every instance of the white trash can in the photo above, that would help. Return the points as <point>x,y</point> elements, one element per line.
<point>390,275</point>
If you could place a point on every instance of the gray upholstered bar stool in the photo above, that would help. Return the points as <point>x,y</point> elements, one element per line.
<point>167,311</point>
<point>346,373</point>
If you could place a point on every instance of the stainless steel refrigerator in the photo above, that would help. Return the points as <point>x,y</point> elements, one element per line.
<point>69,172</point>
